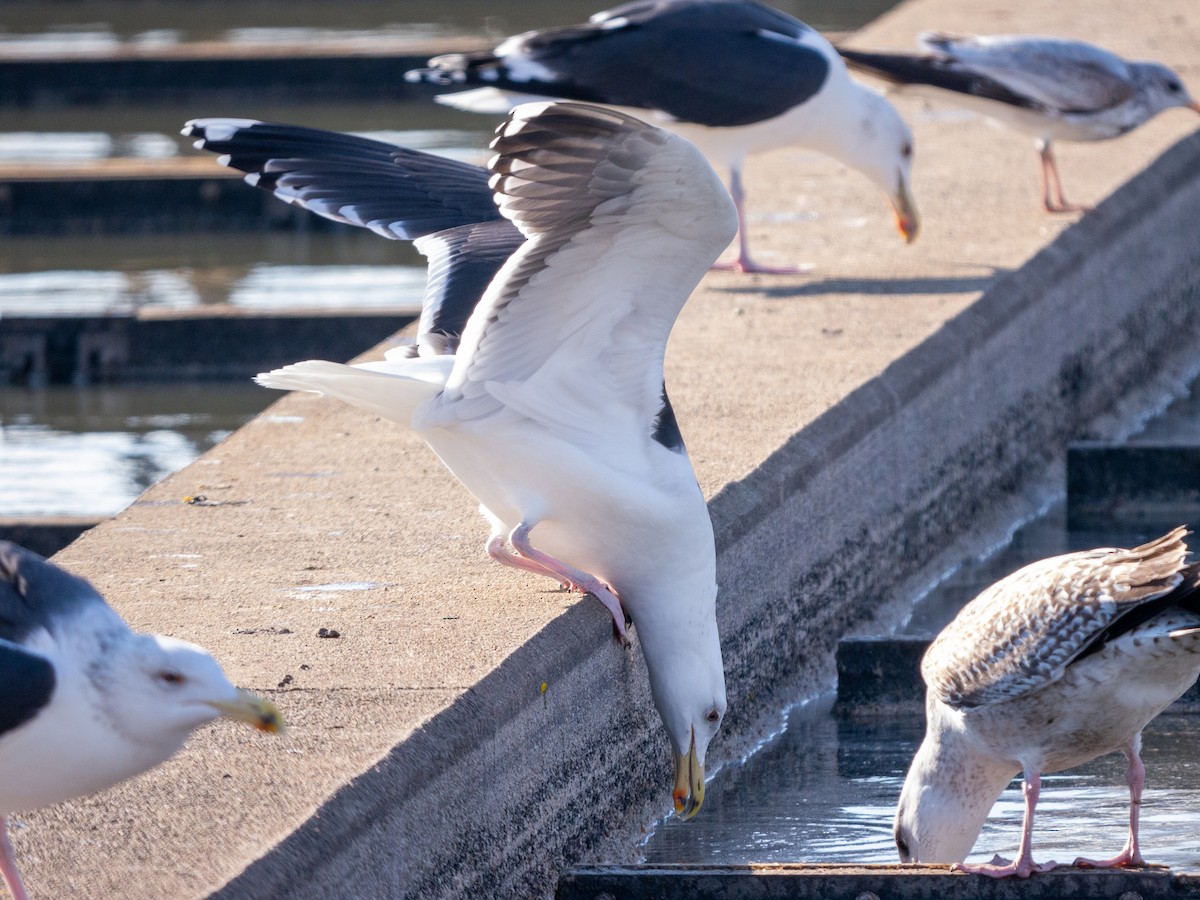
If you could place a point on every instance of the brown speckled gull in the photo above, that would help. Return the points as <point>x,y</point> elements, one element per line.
<point>1064,660</point>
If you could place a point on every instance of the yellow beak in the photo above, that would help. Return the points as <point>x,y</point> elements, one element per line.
<point>689,782</point>
<point>253,710</point>
<point>908,220</point>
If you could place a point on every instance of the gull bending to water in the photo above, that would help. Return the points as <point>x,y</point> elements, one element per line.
<point>84,701</point>
<point>1063,661</point>
<point>551,407</point>
<point>1050,88</point>
<point>735,77</point>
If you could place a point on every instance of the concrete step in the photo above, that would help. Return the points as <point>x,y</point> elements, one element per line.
<point>45,535</point>
<point>123,196</point>
<point>882,676</point>
<point>225,344</point>
<point>865,882</point>
<point>226,71</point>
<point>1132,483</point>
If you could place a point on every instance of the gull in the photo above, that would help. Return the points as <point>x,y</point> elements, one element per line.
<point>550,405</point>
<point>86,702</point>
<point>1065,660</point>
<point>1052,89</point>
<point>735,77</point>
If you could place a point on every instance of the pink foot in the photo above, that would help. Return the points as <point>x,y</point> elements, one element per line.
<point>1123,860</point>
<point>1003,868</point>
<point>575,579</point>
<point>750,267</point>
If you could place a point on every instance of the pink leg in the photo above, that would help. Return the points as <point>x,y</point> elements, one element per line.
<point>574,578</point>
<point>1135,777</point>
<point>1023,866</point>
<point>744,262</point>
<point>8,864</point>
<point>1052,191</point>
<point>497,549</point>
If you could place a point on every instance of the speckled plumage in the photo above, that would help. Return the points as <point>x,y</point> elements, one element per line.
<point>1063,661</point>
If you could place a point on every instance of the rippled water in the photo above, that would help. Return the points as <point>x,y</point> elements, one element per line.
<point>69,451</point>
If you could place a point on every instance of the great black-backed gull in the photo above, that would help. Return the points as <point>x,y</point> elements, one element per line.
<point>84,701</point>
<point>735,77</point>
<point>551,408</point>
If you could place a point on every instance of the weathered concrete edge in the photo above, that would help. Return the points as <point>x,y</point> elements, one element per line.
<point>801,538</point>
<point>827,882</point>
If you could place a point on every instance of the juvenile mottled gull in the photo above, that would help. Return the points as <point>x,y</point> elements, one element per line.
<point>552,411</point>
<point>735,77</point>
<point>1049,88</point>
<point>1062,661</point>
<point>84,701</point>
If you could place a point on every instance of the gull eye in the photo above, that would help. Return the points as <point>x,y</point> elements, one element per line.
<point>167,676</point>
<point>906,151</point>
<point>1174,87</point>
<point>713,715</point>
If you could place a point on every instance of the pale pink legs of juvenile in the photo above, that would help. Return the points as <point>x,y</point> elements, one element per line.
<point>744,262</point>
<point>528,558</point>
<point>1052,190</point>
<point>1135,777</point>
<point>1023,866</point>
<point>8,864</point>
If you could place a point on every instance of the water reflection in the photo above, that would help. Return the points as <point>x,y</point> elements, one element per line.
<point>65,451</point>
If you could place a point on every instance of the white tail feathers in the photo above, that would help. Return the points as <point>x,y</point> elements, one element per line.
<point>392,389</point>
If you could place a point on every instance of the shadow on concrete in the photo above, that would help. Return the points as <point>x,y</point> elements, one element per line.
<point>963,284</point>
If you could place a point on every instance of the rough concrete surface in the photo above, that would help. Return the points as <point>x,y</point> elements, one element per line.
<point>866,882</point>
<point>848,425</point>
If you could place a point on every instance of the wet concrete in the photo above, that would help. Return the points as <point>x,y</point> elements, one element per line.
<point>845,426</point>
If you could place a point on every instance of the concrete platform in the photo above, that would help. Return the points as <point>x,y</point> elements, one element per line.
<point>843,882</point>
<point>472,733</point>
<point>211,70</point>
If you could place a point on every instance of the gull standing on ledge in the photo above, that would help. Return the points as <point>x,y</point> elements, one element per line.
<point>1063,661</point>
<point>84,701</point>
<point>735,77</point>
<point>552,411</point>
<point>1053,89</point>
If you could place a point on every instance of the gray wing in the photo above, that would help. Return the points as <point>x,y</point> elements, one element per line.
<point>1021,633</point>
<point>720,64</point>
<point>622,220</point>
<point>1061,75</point>
<point>462,262</point>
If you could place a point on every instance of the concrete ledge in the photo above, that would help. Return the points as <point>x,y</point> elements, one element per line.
<point>229,344</point>
<point>48,534</point>
<point>1141,483</point>
<point>832,882</point>
<point>472,733</point>
<point>223,73</point>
